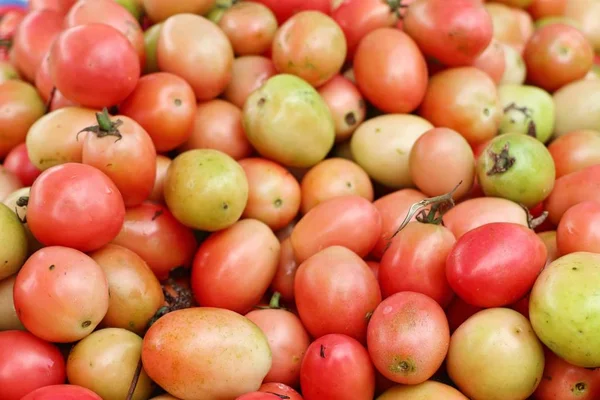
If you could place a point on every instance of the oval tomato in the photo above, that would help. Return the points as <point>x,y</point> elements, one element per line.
<point>495,264</point>
<point>283,281</point>
<point>248,74</point>
<point>346,104</point>
<point>18,162</point>
<point>578,229</point>
<point>574,151</point>
<point>250,27</point>
<point>62,392</point>
<point>572,189</point>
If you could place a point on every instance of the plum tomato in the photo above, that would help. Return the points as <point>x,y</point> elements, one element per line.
<point>496,264</point>
<point>62,392</point>
<point>578,229</point>
<point>281,390</point>
<point>17,161</point>
<point>346,104</point>
<point>75,205</point>
<point>572,152</point>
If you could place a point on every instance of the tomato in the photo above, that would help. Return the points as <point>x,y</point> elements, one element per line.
<point>173,245</point>
<point>288,341</point>
<point>516,167</point>
<point>357,18</point>
<point>565,381</point>
<point>162,165</point>
<point>286,103</point>
<point>496,264</point>
<point>458,311</point>
<point>486,351</point>
<point>210,343</point>
<point>390,71</point>
<point>539,9</point>
<point>273,195</point>
<point>515,70</point>
<point>105,361</point>
<point>61,294</point>
<point>151,36</point>
<point>223,195</point>
<point>9,182</point>
<point>198,51</point>
<point>62,392</point>
<point>425,390</point>
<point>586,13</point>
<point>12,234</point>
<point>416,262</point>
<point>507,27</point>
<point>337,367</point>
<point>61,6</point>
<point>576,106</point>
<point>454,33</point>
<point>8,315</point>
<point>75,205</point>
<point>158,10</point>
<point>250,27</point>
<point>382,147</point>
<point>349,221</point>
<point>13,203</point>
<point>284,10</point>
<point>258,396</point>
<point>574,151</point>
<point>218,125</point>
<point>281,390</point>
<point>135,292</point>
<point>53,98</point>
<point>33,38</point>
<point>240,260</point>
<point>27,363</point>
<point>334,177</point>
<point>577,229</point>
<point>8,72</point>
<point>440,160</point>
<point>549,239</point>
<point>164,105</point>
<point>572,189</point>
<point>283,281</point>
<point>20,107</point>
<point>310,45</point>
<point>336,292</point>
<point>492,61</point>
<point>346,104</point>
<point>17,161</point>
<point>248,74</point>
<point>111,13</point>
<point>556,55</point>
<point>463,99</point>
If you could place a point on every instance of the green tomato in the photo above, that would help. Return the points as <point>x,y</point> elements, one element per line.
<point>287,121</point>
<point>13,248</point>
<point>206,189</point>
<point>134,7</point>
<point>516,167</point>
<point>564,308</point>
<point>150,44</point>
<point>528,110</point>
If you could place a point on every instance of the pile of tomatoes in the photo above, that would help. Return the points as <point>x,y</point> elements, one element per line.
<point>300,199</point>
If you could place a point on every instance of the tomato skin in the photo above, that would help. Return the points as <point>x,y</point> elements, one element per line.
<point>110,73</point>
<point>578,229</point>
<point>390,71</point>
<point>346,104</point>
<point>250,27</point>
<point>492,61</point>
<point>75,205</point>
<point>349,221</point>
<point>62,392</point>
<point>61,294</point>
<point>248,74</point>
<point>337,367</point>
<point>158,10</point>
<point>283,10</point>
<point>18,162</point>
<point>495,264</point>
<point>575,151</point>
<point>164,105</point>
<point>455,33</point>
<point>416,262</point>
<point>283,281</point>
<point>173,244</point>
<point>572,189</point>
<point>258,396</point>
<point>162,165</point>
<point>280,389</point>
<point>61,6</point>
<point>539,9</point>
<point>28,363</point>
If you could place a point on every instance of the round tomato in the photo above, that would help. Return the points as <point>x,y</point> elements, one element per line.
<point>495,264</point>
<point>28,363</point>
<point>61,294</point>
<point>578,229</point>
<point>283,10</point>
<point>62,392</point>
<point>573,151</point>
<point>17,161</point>
<point>572,189</point>
<point>75,205</point>
<point>111,70</point>
<point>346,104</point>
<point>159,10</point>
<point>248,74</point>
<point>250,27</point>
<point>337,367</point>
<point>283,281</point>
<point>281,390</point>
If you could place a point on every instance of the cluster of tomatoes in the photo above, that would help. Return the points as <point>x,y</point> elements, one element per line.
<point>300,199</point>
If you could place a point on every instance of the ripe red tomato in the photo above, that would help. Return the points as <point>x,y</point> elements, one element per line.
<point>496,264</point>
<point>62,392</point>
<point>390,70</point>
<point>61,294</point>
<point>28,363</point>
<point>281,390</point>
<point>111,70</point>
<point>453,32</point>
<point>575,151</point>
<point>18,162</point>
<point>75,205</point>
<point>258,396</point>
<point>578,229</point>
<point>283,10</point>
<point>572,189</point>
<point>337,367</point>
<point>61,6</point>
<point>283,281</point>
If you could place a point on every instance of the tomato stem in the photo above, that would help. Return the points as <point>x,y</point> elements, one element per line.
<point>531,127</point>
<point>534,222</point>
<point>105,127</point>
<point>50,99</point>
<point>274,303</point>
<point>503,161</point>
<point>134,380</point>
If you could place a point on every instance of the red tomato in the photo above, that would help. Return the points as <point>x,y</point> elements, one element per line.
<point>250,27</point>
<point>285,9</point>
<point>337,367</point>
<point>28,363</point>
<point>258,396</point>
<point>390,71</point>
<point>75,205</point>
<point>495,264</point>
<point>164,105</point>
<point>453,32</point>
<point>336,292</point>
<point>240,260</point>
<point>458,312</point>
<point>416,262</point>
<point>283,281</point>
<point>162,165</point>
<point>61,6</point>
<point>47,90</point>
<point>492,61</point>
<point>349,221</point>
<point>556,55</point>
<point>173,244</point>
<point>118,145</point>
<point>18,162</point>
<point>111,70</point>
<point>33,38</point>
<point>408,337</point>
<point>579,229</point>
<point>575,151</point>
<point>572,189</point>
<point>10,19</point>
<point>248,74</point>
<point>281,390</point>
<point>357,18</point>
<point>346,104</point>
<point>62,392</point>
<point>61,294</point>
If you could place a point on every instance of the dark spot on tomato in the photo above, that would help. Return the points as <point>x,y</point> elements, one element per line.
<point>85,324</point>
<point>261,102</point>
<point>369,315</point>
<point>108,165</point>
<point>177,102</point>
<point>225,206</point>
<point>579,387</point>
<point>404,367</point>
<point>361,103</point>
<point>486,112</point>
<point>157,214</point>
<point>518,330</point>
<point>281,396</point>
<point>51,267</point>
<point>131,324</point>
<point>548,377</point>
<point>580,331</point>
<point>278,203</point>
<point>322,351</point>
<point>574,269</point>
<point>350,118</point>
<point>349,184</point>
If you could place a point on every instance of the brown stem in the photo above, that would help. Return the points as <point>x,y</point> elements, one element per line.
<point>534,222</point>
<point>50,99</point>
<point>503,161</point>
<point>134,380</point>
<point>531,127</point>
